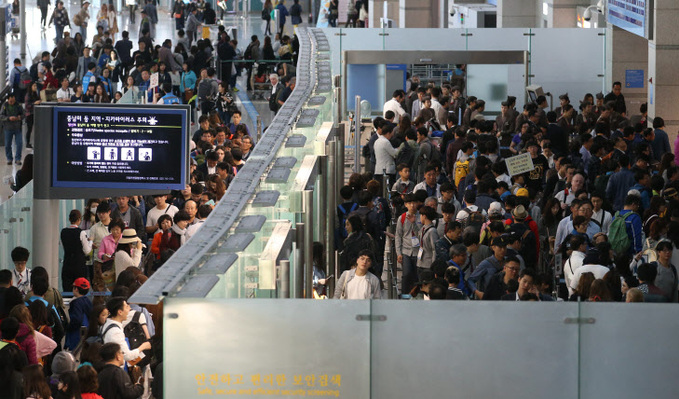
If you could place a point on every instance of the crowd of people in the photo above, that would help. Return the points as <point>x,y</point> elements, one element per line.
<point>101,347</point>
<point>595,218</point>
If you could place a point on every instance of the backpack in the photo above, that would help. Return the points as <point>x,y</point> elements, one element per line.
<point>475,219</point>
<point>100,337</point>
<point>248,53</point>
<point>134,332</point>
<point>265,14</point>
<point>461,171</point>
<point>22,79</point>
<point>34,71</point>
<point>406,156</point>
<point>617,233</point>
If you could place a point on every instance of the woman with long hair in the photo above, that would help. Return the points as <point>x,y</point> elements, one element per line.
<point>128,251</point>
<point>69,386</point>
<point>357,240</point>
<point>268,53</point>
<point>216,185</point>
<point>599,291</point>
<point>102,17</point>
<point>25,335</point>
<point>100,95</point>
<point>23,175</point>
<point>90,217</point>
<point>112,21</point>
<point>38,312</point>
<point>266,11</point>
<point>582,292</point>
<point>35,384</point>
<point>89,383</point>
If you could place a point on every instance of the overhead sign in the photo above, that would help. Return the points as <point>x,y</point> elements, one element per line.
<point>519,164</point>
<point>630,15</point>
<point>119,148</point>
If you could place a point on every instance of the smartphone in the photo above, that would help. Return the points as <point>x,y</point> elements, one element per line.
<point>330,276</point>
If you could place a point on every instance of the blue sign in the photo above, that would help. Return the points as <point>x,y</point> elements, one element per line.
<point>634,79</point>
<point>630,15</point>
<point>399,67</point>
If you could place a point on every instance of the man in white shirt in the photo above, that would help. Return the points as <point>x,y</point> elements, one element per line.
<point>589,264</point>
<point>203,213</point>
<point>600,216</point>
<point>359,283</point>
<point>395,105</point>
<point>385,153</point>
<point>161,208</point>
<point>112,330</point>
<point>579,247</point>
<point>469,207</point>
<point>64,93</point>
<point>21,276</point>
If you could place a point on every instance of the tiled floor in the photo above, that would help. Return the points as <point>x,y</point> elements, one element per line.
<point>38,40</point>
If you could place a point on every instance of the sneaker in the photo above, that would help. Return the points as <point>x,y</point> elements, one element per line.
<point>29,145</point>
<point>9,162</point>
<point>235,89</point>
<point>18,162</point>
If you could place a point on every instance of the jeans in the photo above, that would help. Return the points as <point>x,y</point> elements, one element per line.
<point>60,32</point>
<point>132,11</point>
<point>16,133</point>
<point>29,127</point>
<point>409,275</point>
<point>43,16</point>
<point>83,32</point>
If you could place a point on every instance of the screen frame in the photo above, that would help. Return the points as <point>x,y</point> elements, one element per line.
<point>46,136</point>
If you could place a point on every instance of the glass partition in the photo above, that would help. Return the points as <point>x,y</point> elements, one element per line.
<point>16,224</point>
<point>270,348</point>
<point>419,349</point>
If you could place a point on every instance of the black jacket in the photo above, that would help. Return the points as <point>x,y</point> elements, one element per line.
<point>136,221</point>
<point>114,383</point>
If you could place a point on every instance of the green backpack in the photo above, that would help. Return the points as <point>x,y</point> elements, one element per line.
<point>617,234</point>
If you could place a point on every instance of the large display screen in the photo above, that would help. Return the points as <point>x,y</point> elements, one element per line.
<point>119,147</point>
<point>630,15</point>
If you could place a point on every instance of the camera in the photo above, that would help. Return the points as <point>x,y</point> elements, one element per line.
<point>452,10</point>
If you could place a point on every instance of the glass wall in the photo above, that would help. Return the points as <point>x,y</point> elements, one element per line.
<point>16,224</point>
<point>419,349</point>
<point>577,68</point>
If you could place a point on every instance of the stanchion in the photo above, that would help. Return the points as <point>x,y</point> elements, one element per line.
<point>284,279</point>
<point>298,278</point>
<point>308,206</point>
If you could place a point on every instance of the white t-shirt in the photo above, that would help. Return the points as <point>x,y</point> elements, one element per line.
<point>65,94</point>
<point>155,213</point>
<point>598,271</point>
<point>357,288</point>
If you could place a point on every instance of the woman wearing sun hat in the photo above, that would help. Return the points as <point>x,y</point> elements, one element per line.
<point>128,251</point>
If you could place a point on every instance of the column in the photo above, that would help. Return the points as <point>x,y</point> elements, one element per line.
<point>419,13</point>
<point>625,52</point>
<point>518,13</point>
<point>663,58</point>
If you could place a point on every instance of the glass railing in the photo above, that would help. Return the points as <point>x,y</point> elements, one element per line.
<point>419,349</point>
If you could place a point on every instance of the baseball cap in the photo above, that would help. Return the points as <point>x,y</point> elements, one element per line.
<point>499,242</point>
<point>81,282</point>
<point>495,209</point>
<point>522,192</point>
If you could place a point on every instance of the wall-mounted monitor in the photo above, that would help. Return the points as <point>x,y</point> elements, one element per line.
<point>113,149</point>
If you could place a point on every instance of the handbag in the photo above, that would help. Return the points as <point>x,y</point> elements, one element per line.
<point>188,95</point>
<point>177,15</point>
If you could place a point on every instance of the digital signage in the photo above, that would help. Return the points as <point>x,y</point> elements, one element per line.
<point>630,15</point>
<point>119,147</point>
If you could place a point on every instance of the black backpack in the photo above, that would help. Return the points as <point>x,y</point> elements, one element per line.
<point>475,219</point>
<point>134,332</point>
<point>406,156</point>
<point>265,14</point>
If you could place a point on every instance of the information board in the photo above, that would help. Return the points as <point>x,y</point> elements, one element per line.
<point>630,15</point>
<point>519,164</point>
<point>634,78</point>
<point>119,147</point>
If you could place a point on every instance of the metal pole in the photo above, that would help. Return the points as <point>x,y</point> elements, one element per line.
<point>259,128</point>
<point>308,206</point>
<point>344,95</point>
<point>338,100</point>
<point>22,16</point>
<point>357,135</point>
<point>285,279</point>
<point>339,162</point>
<point>323,195</point>
<point>298,289</point>
<point>331,176</point>
<point>3,60</point>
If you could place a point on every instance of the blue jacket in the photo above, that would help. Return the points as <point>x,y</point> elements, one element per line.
<point>645,195</point>
<point>282,13</point>
<point>483,273</point>
<point>78,312</point>
<point>618,186</point>
<point>634,232</point>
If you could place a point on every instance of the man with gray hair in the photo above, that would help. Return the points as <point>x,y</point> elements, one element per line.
<point>276,89</point>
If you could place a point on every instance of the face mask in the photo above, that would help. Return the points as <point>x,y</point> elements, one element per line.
<point>93,209</point>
